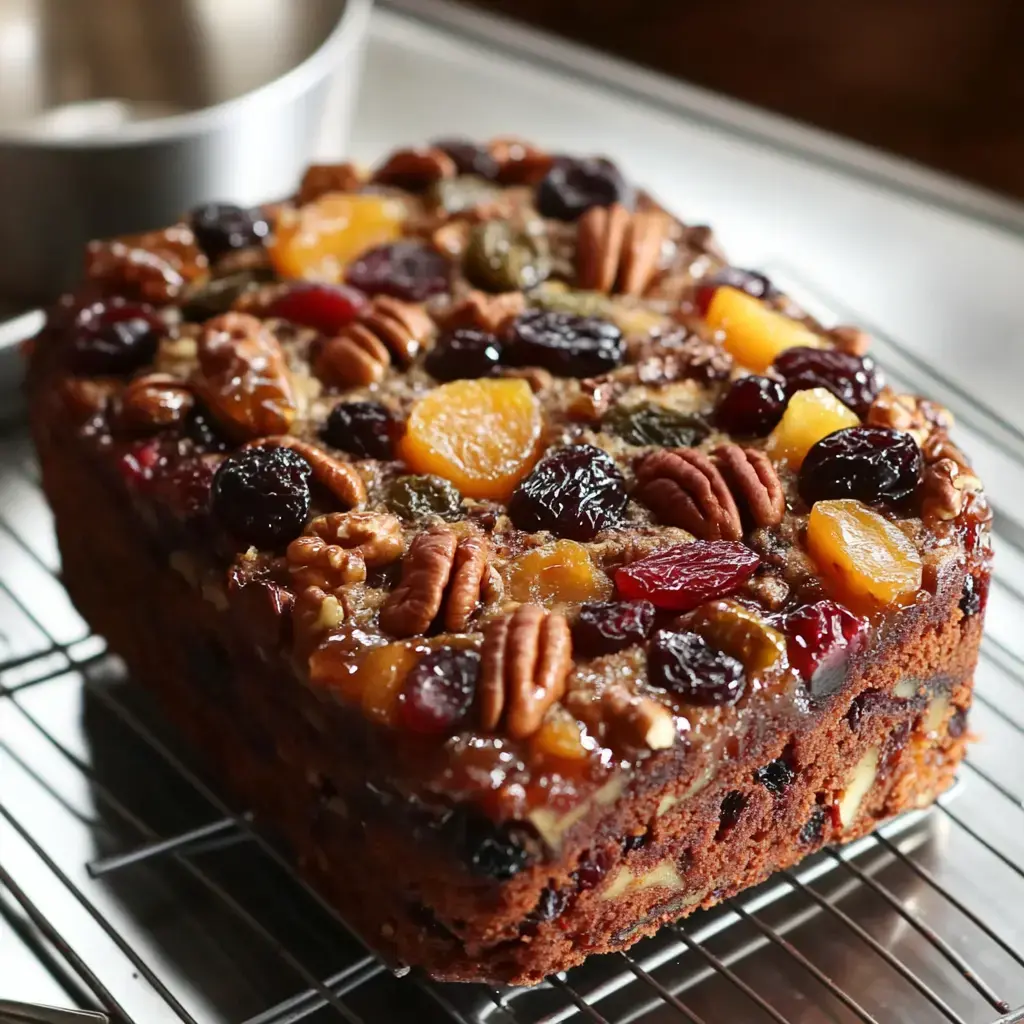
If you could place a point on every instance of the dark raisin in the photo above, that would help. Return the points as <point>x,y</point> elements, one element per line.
<point>820,639</point>
<point>868,702</point>
<point>438,691</point>
<point>776,776</point>
<point>114,337</point>
<point>573,186</point>
<point>415,497</point>
<point>550,905</point>
<point>464,354</point>
<point>567,345</point>
<point>469,157</point>
<point>324,307</point>
<point>592,869</point>
<point>814,828</point>
<point>957,723</point>
<point>687,664</point>
<point>650,424</point>
<point>604,627</point>
<point>574,492</point>
<point>854,380</point>
<point>749,281</point>
<point>972,600</point>
<point>203,433</point>
<point>494,851</point>
<point>261,495</point>
<point>223,227</point>
<point>410,271</point>
<point>752,406</point>
<point>631,843</point>
<point>871,464</point>
<point>732,807</point>
<point>365,429</point>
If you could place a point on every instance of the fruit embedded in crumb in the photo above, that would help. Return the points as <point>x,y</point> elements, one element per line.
<point>469,157</point>
<point>854,380</point>
<point>821,636</point>
<point>957,723</point>
<point>604,627</point>
<point>318,240</point>
<point>682,577</point>
<point>410,271</point>
<point>776,776</point>
<point>566,345</point>
<point>261,496</point>
<point>506,257</point>
<point>464,354</point>
<point>974,595</point>
<point>814,828</point>
<point>573,186</point>
<point>752,333</point>
<point>749,281</point>
<point>224,227</point>
<point>326,308</point>
<point>488,849</point>
<point>438,691</point>
<point>573,492</point>
<point>416,497</point>
<point>114,337</point>
<point>482,435</point>
<point>559,736</point>
<point>364,429</point>
<point>733,804</point>
<point>550,905</point>
<point>651,424</point>
<point>809,416</point>
<point>872,464</point>
<point>591,871</point>
<point>868,562</point>
<point>686,664</point>
<point>752,406</point>
<point>562,572</point>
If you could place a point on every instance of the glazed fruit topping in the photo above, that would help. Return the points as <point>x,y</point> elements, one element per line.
<point>365,429</point>
<point>416,497</point>
<point>749,281</point>
<point>566,345</point>
<point>410,271</point>
<point>650,424</point>
<point>871,464</point>
<point>687,664</point>
<point>324,307</point>
<point>261,495</point>
<point>114,337</point>
<point>469,157</point>
<point>203,434</point>
<point>752,406</point>
<point>604,627</point>
<point>854,380</point>
<point>775,776</point>
<point>573,186</point>
<point>438,691</point>
<point>809,416</point>
<point>464,354</point>
<point>820,638</point>
<point>574,492</point>
<point>223,227</point>
<point>681,578</point>
<point>563,571</point>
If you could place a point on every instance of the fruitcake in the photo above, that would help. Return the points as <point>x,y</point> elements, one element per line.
<point>533,574</point>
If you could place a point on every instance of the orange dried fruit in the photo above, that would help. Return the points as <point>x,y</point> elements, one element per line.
<point>318,240</point>
<point>563,571</point>
<point>753,333</point>
<point>809,416</point>
<point>867,561</point>
<point>482,435</point>
<point>560,736</point>
<point>378,680</point>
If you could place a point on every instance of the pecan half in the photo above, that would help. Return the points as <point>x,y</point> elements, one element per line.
<point>916,416</point>
<point>242,377</point>
<point>376,536</point>
<point>415,170</point>
<point>154,401</point>
<point>339,478</point>
<point>637,721</point>
<point>683,487</point>
<point>320,179</point>
<point>484,312</point>
<point>437,569</point>
<point>944,487</point>
<point>402,326</point>
<point>525,659</point>
<point>619,251</point>
<point>754,483</point>
<point>519,162</point>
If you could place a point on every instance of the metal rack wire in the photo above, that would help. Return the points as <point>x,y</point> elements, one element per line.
<point>104,822</point>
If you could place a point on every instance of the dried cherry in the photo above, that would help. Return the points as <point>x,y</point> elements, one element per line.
<point>749,281</point>
<point>365,429</point>
<point>223,227</point>
<point>469,157</point>
<point>819,639</point>
<point>407,270</point>
<point>324,307</point>
<point>464,354</point>
<point>114,337</point>
<point>438,691</point>
<point>573,186</point>
<point>854,380</point>
<point>604,627</point>
<point>687,664</point>
<point>567,345</point>
<point>752,406</point>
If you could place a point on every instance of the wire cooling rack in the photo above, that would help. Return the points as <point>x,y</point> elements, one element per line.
<point>147,894</point>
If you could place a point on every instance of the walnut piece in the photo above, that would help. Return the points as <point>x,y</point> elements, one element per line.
<point>916,416</point>
<point>944,485</point>
<point>637,721</point>
<point>375,536</point>
<point>619,251</point>
<point>312,562</point>
<point>341,479</point>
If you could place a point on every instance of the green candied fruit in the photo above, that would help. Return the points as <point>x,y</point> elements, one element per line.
<point>504,257</point>
<point>457,195</point>
<point>650,424</point>
<point>415,497</point>
<point>219,294</point>
<point>576,303</point>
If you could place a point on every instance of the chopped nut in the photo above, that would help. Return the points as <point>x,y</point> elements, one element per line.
<point>916,416</point>
<point>520,162</point>
<point>693,359</point>
<point>339,478</point>
<point>314,562</point>
<point>860,780</point>
<point>84,397</point>
<point>415,169</point>
<point>320,179</point>
<point>637,721</point>
<point>943,486</point>
<point>355,358</point>
<point>402,326</point>
<point>754,482</point>
<point>375,536</point>
<point>154,401</point>
<point>315,613</point>
<point>851,340</point>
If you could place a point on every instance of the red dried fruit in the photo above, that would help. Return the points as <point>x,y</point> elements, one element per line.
<point>752,406</point>
<point>820,637</point>
<point>139,462</point>
<point>573,186</point>
<point>113,336</point>
<point>410,271</point>
<point>324,307</point>
<point>604,627</point>
<point>438,691</point>
<point>854,380</point>
<point>681,578</point>
<point>687,664</point>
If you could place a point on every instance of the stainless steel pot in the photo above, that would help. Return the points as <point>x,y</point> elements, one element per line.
<point>118,115</point>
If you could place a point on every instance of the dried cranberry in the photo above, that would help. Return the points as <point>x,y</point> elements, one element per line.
<point>438,691</point>
<point>324,307</point>
<point>604,627</point>
<point>732,807</point>
<point>687,664</point>
<point>365,429</point>
<point>776,776</point>
<point>114,337</point>
<point>410,271</point>
<point>752,406</point>
<point>463,354</point>
<point>814,828</point>
<point>261,495</point>
<point>565,344</point>
<point>820,637</point>
<point>854,380</point>
<point>974,595</point>
<point>749,281</point>
<point>223,227</point>
<point>682,577</point>
<point>871,464</point>
<point>574,492</point>
<point>573,186</point>
<point>469,157</point>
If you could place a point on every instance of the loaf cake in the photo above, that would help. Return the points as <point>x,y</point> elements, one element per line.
<point>532,573</point>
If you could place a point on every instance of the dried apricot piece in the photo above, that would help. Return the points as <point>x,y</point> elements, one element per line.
<point>563,571</point>
<point>482,435</point>
<point>319,239</point>
<point>809,416</point>
<point>559,736</point>
<point>379,679</point>
<point>868,562</point>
